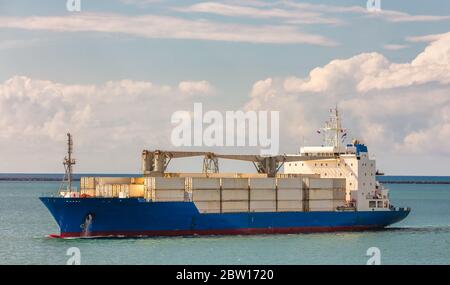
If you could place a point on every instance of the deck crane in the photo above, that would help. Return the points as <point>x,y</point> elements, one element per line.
<point>154,163</point>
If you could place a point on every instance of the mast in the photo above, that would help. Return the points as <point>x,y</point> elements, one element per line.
<point>68,163</point>
<point>333,129</point>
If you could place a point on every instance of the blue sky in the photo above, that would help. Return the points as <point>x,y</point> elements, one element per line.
<point>244,52</point>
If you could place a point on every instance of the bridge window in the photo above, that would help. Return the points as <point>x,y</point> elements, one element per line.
<point>372,204</point>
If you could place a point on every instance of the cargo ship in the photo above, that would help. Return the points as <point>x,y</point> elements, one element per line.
<point>322,189</point>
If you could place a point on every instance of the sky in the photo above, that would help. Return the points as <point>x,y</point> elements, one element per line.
<point>114,72</point>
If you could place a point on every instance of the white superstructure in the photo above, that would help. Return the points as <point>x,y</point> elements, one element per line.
<point>351,162</point>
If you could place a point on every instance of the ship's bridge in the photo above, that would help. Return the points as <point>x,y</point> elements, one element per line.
<point>333,150</point>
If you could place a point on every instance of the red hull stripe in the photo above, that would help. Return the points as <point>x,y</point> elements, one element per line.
<point>251,231</point>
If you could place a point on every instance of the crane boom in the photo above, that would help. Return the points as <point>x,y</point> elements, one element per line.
<point>155,162</point>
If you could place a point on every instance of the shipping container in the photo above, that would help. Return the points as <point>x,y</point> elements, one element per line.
<point>319,183</point>
<point>339,183</point>
<point>321,205</point>
<point>206,195</point>
<point>87,192</point>
<point>166,183</point>
<point>290,206</point>
<point>137,180</point>
<point>113,180</point>
<point>136,190</point>
<point>235,194</point>
<point>289,194</point>
<point>168,195</point>
<point>262,183</point>
<point>234,206</point>
<point>339,194</point>
<point>234,183</point>
<point>262,194</point>
<point>205,183</point>
<point>290,183</point>
<point>208,206</point>
<point>263,206</point>
<point>320,194</point>
<point>338,203</point>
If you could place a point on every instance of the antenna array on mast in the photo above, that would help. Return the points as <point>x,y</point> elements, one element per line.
<point>68,163</point>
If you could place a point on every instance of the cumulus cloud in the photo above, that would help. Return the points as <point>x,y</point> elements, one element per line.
<point>394,107</point>
<point>368,71</point>
<point>117,118</point>
<point>195,87</point>
<point>166,27</point>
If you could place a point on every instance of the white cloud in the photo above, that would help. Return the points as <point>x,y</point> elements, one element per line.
<point>151,26</point>
<point>115,119</point>
<point>400,108</point>
<point>426,38</point>
<point>195,87</point>
<point>368,71</point>
<point>395,47</point>
<point>292,16</point>
<point>387,15</point>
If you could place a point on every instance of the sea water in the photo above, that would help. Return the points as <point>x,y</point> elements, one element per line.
<point>422,238</point>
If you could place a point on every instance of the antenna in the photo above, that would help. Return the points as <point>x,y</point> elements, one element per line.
<point>68,162</point>
<point>333,129</point>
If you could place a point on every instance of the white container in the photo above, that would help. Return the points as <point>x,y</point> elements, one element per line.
<point>290,206</point>
<point>339,194</point>
<point>338,203</point>
<point>113,180</point>
<point>234,194</point>
<point>136,190</point>
<point>205,183</point>
<point>339,183</point>
<point>319,183</point>
<point>290,183</point>
<point>321,205</point>
<point>167,183</point>
<point>262,194</point>
<point>169,195</point>
<point>137,180</point>
<point>235,206</point>
<point>206,195</point>
<point>262,183</point>
<point>208,206</point>
<point>289,194</point>
<point>262,206</point>
<point>234,183</point>
<point>320,194</point>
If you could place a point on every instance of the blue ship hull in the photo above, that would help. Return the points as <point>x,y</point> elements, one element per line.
<point>134,217</point>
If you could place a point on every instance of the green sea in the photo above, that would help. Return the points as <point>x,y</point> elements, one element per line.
<point>423,238</point>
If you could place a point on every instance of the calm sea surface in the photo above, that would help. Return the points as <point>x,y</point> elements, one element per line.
<point>423,238</point>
